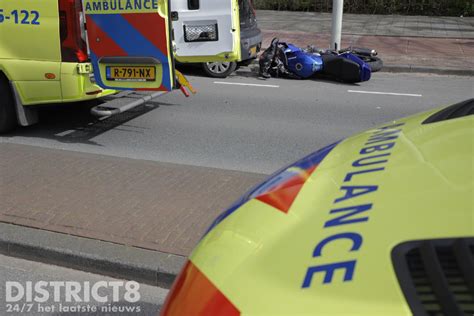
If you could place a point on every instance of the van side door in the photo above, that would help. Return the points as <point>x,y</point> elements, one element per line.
<point>206,30</point>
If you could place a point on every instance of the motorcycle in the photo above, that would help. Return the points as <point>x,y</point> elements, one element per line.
<point>350,65</point>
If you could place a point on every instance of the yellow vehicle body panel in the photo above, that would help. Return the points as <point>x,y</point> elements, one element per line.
<point>417,186</point>
<point>76,86</point>
<point>224,57</point>
<point>30,49</point>
<point>30,41</point>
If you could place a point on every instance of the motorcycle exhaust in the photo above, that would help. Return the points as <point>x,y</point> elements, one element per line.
<point>364,51</point>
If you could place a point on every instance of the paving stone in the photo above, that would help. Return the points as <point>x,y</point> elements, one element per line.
<point>451,53</point>
<point>156,206</point>
<point>380,25</point>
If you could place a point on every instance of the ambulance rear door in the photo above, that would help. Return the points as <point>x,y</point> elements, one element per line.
<point>206,30</point>
<point>130,44</point>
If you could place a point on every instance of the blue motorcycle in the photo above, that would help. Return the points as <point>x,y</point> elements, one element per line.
<point>288,60</point>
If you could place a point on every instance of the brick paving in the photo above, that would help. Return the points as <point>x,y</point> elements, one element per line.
<point>157,206</point>
<point>452,53</point>
<point>366,24</point>
<point>409,41</point>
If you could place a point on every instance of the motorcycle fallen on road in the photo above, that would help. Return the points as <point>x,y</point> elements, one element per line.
<point>369,56</point>
<point>350,65</point>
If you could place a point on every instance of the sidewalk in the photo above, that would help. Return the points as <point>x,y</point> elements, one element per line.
<point>139,204</point>
<point>405,43</point>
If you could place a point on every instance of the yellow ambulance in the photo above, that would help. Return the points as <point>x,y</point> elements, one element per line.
<point>378,224</point>
<point>61,51</point>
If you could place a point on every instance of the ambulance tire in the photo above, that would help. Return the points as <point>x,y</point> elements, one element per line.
<point>219,69</point>
<point>8,119</point>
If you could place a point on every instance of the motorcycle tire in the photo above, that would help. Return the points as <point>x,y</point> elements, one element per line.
<point>375,63</point>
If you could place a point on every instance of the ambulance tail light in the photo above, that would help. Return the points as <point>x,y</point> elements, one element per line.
<point>71,28</point>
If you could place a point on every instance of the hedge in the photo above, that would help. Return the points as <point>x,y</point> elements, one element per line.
<point>405,7</point>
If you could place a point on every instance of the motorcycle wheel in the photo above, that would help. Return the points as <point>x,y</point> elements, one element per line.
<point>375,63</point>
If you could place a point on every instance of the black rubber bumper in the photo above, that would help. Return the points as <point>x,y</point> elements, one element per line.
<point>251,37</point>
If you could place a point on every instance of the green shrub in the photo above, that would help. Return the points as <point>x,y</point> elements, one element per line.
<point>406,7</point>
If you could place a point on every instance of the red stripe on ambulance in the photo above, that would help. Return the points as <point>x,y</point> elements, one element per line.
<point>148,24</point>
<point>105,46</point>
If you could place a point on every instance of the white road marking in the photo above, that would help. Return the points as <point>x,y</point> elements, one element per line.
<point>247,84</point>
<point>63,134</point>
<point>386,93</point>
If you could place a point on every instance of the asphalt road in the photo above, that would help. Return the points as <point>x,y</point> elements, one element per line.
<point>243,123</point>
<point>23,271</point>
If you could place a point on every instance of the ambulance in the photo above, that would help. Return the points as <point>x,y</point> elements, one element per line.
<point>378,224</point>
<point>63,51</point>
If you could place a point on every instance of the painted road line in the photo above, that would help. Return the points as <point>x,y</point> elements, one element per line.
<point>63,134</point>
<point>247,84</point>
<point>386,93</point>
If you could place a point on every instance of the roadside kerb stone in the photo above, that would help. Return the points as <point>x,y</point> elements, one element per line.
<point>432,70</point>
<point>119,261</point>
<point>151,205</point>
<point>254,67</point>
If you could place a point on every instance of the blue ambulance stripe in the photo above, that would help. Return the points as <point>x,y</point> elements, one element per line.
<point>120,31</point>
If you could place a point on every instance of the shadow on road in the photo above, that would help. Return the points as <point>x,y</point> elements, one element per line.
<point>251,72</point>
<point>191,69</point>
<point>332,81</point>
<point>73,123</point>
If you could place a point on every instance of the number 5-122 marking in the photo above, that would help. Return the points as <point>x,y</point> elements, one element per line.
<point>21,17</point>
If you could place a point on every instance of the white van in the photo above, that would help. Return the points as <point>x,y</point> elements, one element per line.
<point>202,31</point>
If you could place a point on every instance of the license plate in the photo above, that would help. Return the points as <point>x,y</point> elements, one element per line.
<point>131,73</point>
<point>253,51</point>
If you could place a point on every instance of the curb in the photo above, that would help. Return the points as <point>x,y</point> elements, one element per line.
<point>105,258</point>
<point>431,70</point>
<point>254,67</point>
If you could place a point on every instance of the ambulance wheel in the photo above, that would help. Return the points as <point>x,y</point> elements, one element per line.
<point>7,107</point>
<point>219,69</point>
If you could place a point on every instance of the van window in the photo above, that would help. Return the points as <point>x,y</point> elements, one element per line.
<point>193,4</point>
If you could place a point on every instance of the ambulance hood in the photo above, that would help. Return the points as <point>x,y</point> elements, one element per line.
<point>318,237</point>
